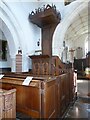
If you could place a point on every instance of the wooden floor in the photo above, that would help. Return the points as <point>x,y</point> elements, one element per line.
<point>81,108</point>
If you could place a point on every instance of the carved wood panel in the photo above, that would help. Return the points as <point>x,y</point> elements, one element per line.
<point>41,67</point>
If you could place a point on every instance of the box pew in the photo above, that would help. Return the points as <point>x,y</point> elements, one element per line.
<point>63,89</point>
<point>22,75</point>
<point>45,97</point>
<point>37,100</point>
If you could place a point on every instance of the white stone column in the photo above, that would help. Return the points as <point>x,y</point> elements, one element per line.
<point>13,63</point>
<point>72,56</point>
<point>89,43</point>
<point>25,63</point>
<point>64,54</point>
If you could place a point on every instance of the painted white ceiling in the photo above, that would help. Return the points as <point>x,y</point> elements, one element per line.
<point>78,27</point>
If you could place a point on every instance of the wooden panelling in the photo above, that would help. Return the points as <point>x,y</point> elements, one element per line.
<point>7,104</point>
<point>45,65</point>
<point>31,99</point>
<point>41,65</point>
<point>45,97</point>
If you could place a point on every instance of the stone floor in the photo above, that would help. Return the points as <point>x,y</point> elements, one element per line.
<point>80,109</point>
<point>21,116</point>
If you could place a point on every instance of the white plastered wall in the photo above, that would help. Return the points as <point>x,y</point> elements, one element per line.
<point>18,31</point>
<point>22,33</point>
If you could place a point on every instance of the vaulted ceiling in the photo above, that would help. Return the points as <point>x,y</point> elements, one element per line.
<point>78,27</point>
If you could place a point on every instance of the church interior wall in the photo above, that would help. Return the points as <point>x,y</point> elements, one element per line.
<point>25,30</point>
<point>5,63</point>
<point>28,34</point>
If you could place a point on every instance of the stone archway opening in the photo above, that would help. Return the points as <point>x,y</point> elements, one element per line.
<point>72,29</point>
<point>77,33</point>
<point>6,65</point>
<point>11,36</point>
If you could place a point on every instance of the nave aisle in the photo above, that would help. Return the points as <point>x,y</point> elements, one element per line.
<point>81,107</point>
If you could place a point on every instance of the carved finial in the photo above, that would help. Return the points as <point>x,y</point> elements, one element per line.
<point>54,7</point>
<point>48,6</point>
<point>32,13</point>
<point>39,9</point>
<point>36,11</point>
<point>19,51</point>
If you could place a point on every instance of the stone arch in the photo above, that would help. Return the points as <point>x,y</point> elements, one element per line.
<point>62,28</point>
<point>9,37</point>
<point>12,31</point>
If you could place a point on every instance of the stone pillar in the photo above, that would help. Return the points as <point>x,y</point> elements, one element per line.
<point>13,63</point>
<point>89,43</point>
<point>64,54</point>
<point>71,56</point>
<point>25,63</point>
